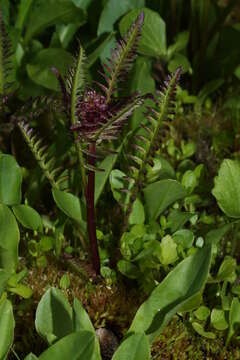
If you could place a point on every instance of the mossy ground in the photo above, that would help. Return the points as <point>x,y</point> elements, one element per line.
<point>113,307</point>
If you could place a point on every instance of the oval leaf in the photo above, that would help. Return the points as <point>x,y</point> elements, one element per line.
<point>53,316</point>
<point>28,217</point>
<point>76,346</point>
<point>153,36</point>
<point>9,239</point>
<point>68,203</point>
<point>6,327</point>
<point>179,286</point>
<point>135,347</point>
<point>227,188</point>
<point>161,194</point>
<point>52,12</point>
<point>10,180</point>
<point>39,70</point>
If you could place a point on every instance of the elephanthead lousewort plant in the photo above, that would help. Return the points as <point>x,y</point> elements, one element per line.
<point>98,116</point>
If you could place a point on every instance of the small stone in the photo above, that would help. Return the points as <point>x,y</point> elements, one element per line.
<point>108,343</point>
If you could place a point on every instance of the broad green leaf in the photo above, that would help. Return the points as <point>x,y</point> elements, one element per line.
<point>218,319</point>
<point>227,269</point>
<point>92,58</point>
<point>177,219</point>
<point>82,4</point>
<point>128,269</point>
<point>161,194</point>
<point>21,290</point>
<point>31,357</point>
<point>10,180</point>
<point>9,239</point>
<point>53,316</point>
<point>113,10</point>
<point>202,313</point>
<point>7,325</point>
<point>23,13</point>
<point>234,318</point>
<point>177,61</point>
<point>161,170</point>
<point>200,330</point>
<point>76,346</point>
<point>168,250</point>
<point>81,321</point>
<point>134,347</point>
<point>45,14</point>
<point>68,203</point>
<point>180,43</point>
<point>227,188</point>
<point>28,217</point>
<point>179,286</point>
<point>39,70</point>
<point>137,215</point>
<point>143,82</point>
<point>153,36</point>
<point>214,236</point>
<point>184,237</point>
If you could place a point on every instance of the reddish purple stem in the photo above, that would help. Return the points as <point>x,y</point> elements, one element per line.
<point>91,211</point>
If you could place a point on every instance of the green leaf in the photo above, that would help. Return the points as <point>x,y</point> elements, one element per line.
<point>76,346</point>
<point>98,51</point>
<point>134,347</point>
<point>81,321</point>
<point>153,38</point>
<point>143,82</point>
<point>161,194</point>
<point>45,14</point>
<point>137,215</point>
<point>31,357</point>
<point>113,10</point>
<point>234,318</point>
<point>227,188</point>
<point>10,180</point>
<point>209,88</point>
<point>28,217</point>
<point>177,219</point>
<point>68,203</point>
<point>179,286</point>
<point>9,239</point>
<point>23,13</point>
<point>7,325</point>
<point>161,170</point>
<point>180,43</point>
<point>218,320</point>
<point>177,61</point>
<point>53,316</point>
<point>39,70</point>
<point>202,313</point>
<point>200,330</point>
<point>128,269</point>
<point>168,250</point>
<point>214,236</point>
<point>21,290</point>
<point>184,237</point>
<point>227,269</point>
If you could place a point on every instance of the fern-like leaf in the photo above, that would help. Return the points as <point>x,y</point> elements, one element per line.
<point>146,145</point>
<point>122,58</point>
<point>39,151</point>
